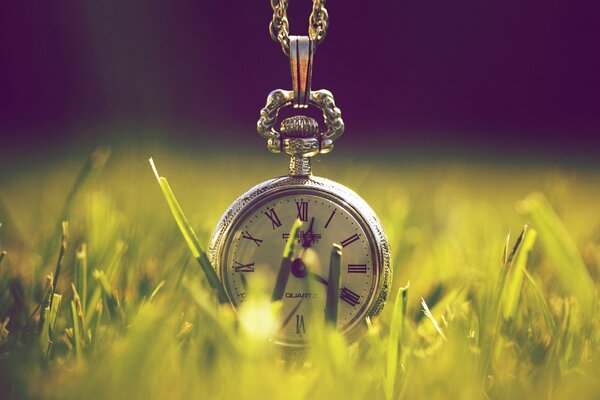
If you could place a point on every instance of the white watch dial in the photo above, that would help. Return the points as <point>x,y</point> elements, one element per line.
<point>255,246</point>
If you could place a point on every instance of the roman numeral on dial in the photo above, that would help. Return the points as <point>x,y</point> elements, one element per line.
<point>239,267</point>
<point>349,296</point>
<point>246,235</point>
<point>302,207</point>
<point>349,240</point>
<point>300,326</point>
<point>272,215</point>
<point>357,268</point>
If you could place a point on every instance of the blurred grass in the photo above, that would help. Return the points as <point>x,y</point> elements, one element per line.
<point>136,318</point>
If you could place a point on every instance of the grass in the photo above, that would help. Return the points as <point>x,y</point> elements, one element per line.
<point>116,306</point>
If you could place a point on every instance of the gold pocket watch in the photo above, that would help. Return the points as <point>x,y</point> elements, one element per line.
<point>251,235</point>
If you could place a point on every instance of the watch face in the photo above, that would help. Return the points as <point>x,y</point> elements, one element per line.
<point>255,243</point>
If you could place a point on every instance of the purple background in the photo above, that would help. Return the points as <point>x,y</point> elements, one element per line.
<point>500,74</point>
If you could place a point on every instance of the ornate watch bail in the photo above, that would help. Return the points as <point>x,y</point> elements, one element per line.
<point>300,137</point>
<point>301,59</point>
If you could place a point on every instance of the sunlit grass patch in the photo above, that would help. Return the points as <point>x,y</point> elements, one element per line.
<point>122,306</point>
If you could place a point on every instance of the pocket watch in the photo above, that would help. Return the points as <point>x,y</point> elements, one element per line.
<point>252,233</point>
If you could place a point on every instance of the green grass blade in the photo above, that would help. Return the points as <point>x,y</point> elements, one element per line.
<point>78,318</point>
<point>44,305</point>
<point>81,274</point>
<point>61,255</point>
<point>432,318</point>
<point>489,340</point>
<point>562,251</point>
<point>190,237</point>
<point>50,314</point>
<point>284,269</point>
<point>333,288</point>
<point>112,302</point>
<point>515,278</point>
<point>111,271</point>
<point>541,302</point>
<point>93,333</point>
<point>90,170</point>
<point>395,340</point>
<point>76,330</point>
<point>157,289</point>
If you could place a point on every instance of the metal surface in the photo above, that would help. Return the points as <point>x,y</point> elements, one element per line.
<point>300,142</point>
<point>279,27</point>
<point>301,59</point>
<point>319,187</point>
<point>322,99</point>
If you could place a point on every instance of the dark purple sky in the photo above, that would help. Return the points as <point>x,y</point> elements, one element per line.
<point>417,72</point>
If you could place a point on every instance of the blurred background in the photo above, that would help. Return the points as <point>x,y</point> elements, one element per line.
<point>465,120</point>
<point>502,78</point>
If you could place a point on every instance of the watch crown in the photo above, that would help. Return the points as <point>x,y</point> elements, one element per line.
<point>299,126</point>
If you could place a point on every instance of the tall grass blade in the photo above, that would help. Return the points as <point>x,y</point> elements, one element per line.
<point>541,302</point>
<point>283,273</point>
<point>90,170</point>
<point>515,278</point>
<point>111,271</point>
<point>78,320</point>
<point>394,341</point>
<point>81,274</point>
<point>333,288</point>
<point>216,321</point>
<point>50,314</point>
<point>61,255</point>
<point>491,327</point>
<point>434,321</point>
<point>76,330</point>
<point>190,237</point>
<point>44,305</point>
<point>157,289</point>
<point>44,329</point>
<point>112,301</point>
<point>561,250</point>
<point>93,333</point>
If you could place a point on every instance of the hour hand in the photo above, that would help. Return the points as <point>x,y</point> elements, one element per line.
<point>309,235</point>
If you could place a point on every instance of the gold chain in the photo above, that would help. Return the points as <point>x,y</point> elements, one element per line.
<point>280,29</point>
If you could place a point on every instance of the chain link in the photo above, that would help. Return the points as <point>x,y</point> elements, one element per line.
<point>280,28</point>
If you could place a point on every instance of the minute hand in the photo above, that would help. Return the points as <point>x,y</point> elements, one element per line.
<point>346,294</point>
<point>318,278</point>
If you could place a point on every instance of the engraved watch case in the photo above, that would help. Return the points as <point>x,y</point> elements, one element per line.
<point>327,189</point>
